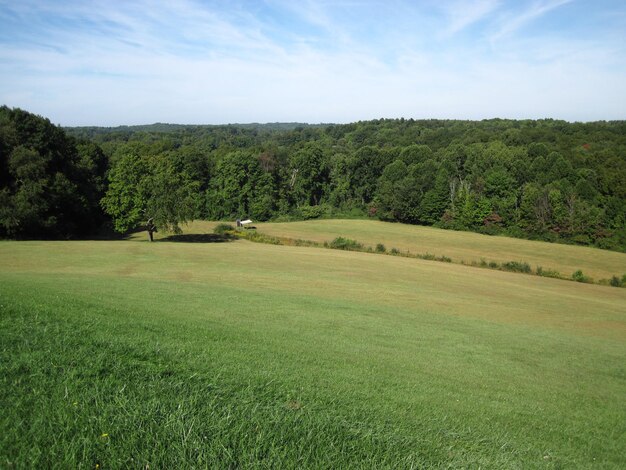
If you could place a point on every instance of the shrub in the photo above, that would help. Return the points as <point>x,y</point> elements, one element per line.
<point>257,237</point>
<point>548,273</point>
<point>221,229</point>
<point>312,212</point>
<point>395,251</point>
<point>285,218</point>
<point>581,240</point>
<point>616,282</point>
<point>493,265</point>
<point>341,243</point>
<point>578,276</point>
<point>380,248</point>
<point>515,232</point>
<point>300,242</point>
<point>516,266</point>
<point>431,257</point>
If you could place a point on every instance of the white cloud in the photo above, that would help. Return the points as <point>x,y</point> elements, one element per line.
<point>512,23</point>
<point>182,62</point>
<point>463,13</point>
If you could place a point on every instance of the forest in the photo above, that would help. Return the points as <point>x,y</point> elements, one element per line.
<point>537,179</point>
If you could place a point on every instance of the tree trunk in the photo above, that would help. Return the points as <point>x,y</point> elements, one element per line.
<point>151,228</point>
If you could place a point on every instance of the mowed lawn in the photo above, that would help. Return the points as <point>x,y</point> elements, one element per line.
<point>127,354</point>
<point>464,247</point>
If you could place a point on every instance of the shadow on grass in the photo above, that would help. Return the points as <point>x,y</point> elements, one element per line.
<point>199,238</point>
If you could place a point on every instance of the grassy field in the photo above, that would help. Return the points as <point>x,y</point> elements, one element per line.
<point>170,355</point>
<point>460,246</point>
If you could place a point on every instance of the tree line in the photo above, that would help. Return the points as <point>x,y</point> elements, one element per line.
<point>539,179</point>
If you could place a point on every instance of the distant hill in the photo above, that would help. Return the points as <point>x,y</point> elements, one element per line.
<point>92,131</point>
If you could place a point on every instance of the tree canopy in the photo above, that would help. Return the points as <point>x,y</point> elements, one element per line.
<point>150,191</point>
<point>544,179</point>
<point>50,183</point>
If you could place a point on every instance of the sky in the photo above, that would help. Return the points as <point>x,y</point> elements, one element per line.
<point>115,62</point>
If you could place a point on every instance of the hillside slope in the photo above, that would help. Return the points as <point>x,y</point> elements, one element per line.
<point>461,247</point>
<point>247,354</point>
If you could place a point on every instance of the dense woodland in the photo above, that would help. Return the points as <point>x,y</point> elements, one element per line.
<point>50,184</point>
<point>547,179</point>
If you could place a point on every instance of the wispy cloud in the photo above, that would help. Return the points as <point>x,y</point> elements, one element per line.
<point>191,61</point>
<point>516,21</point>
<point>463,13</point>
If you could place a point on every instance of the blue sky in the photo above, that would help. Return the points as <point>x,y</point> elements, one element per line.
<point>208,62</point>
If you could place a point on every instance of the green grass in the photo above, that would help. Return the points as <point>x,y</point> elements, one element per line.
<point>459,246</point>
<point>238,354</point>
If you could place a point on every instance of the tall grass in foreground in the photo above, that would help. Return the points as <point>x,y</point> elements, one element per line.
<point>93,391</point>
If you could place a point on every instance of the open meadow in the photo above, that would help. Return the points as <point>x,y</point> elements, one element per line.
<point>461,247</point>
<point>149,320</point>
<point>171,354</point>
<point>464,247</point>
